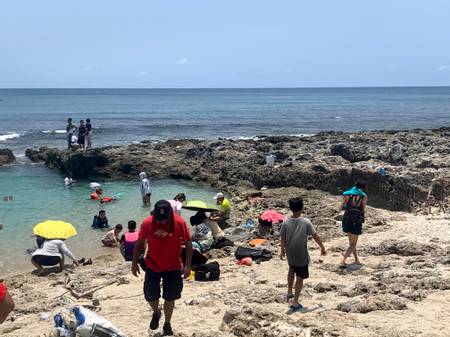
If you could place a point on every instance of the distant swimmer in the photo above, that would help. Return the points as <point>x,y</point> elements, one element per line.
<point>96,195</point>
<point>68,181</point>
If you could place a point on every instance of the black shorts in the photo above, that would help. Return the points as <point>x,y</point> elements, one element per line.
<point>172,284</point>
<point>349,227</point>
<point>302,272</point>
<point>46,260</point>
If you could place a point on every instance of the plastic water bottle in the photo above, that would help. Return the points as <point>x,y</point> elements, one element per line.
<point>270,160</point>
<point>79,316</point>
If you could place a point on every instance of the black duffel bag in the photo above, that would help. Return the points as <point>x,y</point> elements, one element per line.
<point>207,272</point>
<point>257,255</point>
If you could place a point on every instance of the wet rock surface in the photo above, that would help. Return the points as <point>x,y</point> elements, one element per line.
<point>6,157</point>
<point>331,162</point>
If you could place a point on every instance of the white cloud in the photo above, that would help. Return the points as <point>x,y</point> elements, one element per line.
<point>182,61</point>
<point>443,67</point>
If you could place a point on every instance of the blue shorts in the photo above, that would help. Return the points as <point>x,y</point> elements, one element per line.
<point>350,227</point>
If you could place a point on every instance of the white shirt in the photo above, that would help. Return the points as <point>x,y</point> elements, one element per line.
<point>176,206</point>
<point>145,187</point>
<point>54,248</point>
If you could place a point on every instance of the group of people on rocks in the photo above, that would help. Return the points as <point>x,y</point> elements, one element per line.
<point>156,247</point>
<point>79,137</point>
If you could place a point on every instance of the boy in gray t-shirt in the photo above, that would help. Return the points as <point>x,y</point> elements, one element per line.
<point>294,237</point>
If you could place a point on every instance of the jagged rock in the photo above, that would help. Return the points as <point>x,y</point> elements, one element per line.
<point>304,162</point>
<point>6,157</point>
<point>375,303</point>
<point>402,248</point>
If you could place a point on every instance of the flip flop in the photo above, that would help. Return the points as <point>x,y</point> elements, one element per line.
<point>342,266</point>
<point>295,308</point>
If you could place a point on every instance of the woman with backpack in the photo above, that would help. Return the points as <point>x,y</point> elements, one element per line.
<point>353,205</point>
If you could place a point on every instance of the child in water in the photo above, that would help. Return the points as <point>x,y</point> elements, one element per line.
<point>111,238</point>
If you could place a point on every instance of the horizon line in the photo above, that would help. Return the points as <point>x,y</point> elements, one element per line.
<point>222,88</point>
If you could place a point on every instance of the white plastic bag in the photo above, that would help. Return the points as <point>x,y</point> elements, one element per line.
<point>91,318</point>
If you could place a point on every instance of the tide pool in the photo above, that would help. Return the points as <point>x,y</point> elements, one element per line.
<point>39,194</point>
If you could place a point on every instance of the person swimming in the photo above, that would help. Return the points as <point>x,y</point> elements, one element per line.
<point>96,194</point>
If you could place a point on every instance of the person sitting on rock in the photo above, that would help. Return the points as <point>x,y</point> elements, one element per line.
<point>202,237</point>
<point>201,217</point>
<point>354,203</point>
<point>100,221</point>
<point>223,215</point>
<point>128,241</point>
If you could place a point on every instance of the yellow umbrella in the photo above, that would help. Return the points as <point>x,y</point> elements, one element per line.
<point>52,229</point>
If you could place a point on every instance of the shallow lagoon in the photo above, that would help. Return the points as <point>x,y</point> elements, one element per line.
<point>40,194</point>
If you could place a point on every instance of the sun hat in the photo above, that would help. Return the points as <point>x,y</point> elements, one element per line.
<point>219,195</point>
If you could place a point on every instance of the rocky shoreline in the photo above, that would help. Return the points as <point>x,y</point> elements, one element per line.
<point>402,288</point>
<point>403,169</point>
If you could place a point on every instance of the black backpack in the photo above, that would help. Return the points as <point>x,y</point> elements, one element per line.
<point>207,272</point>
<point>257,255</point>
<point>353,210</point>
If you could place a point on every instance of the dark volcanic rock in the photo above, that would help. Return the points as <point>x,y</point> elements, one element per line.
<point>6,157</point>
<point>330,162</point>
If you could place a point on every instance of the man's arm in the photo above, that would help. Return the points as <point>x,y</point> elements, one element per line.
<point>187,267</point>
<point>283,248</point>
<point>139,249</point>
<point>316,238</point>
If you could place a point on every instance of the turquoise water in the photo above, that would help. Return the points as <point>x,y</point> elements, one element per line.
<point>40,194</point>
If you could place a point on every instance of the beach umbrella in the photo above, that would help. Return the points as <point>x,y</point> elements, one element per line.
<point>94,185</point>
<point>198,205</point>
<point>53,229</point>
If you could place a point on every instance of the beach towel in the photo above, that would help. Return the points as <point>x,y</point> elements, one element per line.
<point>257,242</point>
<point>272,215</point>
<point>355,191</point>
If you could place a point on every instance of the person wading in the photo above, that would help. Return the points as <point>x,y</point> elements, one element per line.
<point>164,233</point>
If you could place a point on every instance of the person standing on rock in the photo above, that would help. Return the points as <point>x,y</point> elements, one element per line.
<point>164,233</point>
<point>88,137</point>
<point>294,238</point>
<point>146,189</point>
<point>82,130</point>
<point>70,130</point>
<point>353,204</point>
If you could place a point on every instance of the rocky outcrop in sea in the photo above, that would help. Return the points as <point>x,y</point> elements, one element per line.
<point>403,169</point>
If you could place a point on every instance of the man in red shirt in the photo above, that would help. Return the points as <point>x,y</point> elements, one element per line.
<point>165,233</point>
<point>6,303</point>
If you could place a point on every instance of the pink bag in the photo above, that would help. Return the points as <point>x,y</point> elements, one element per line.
<point>246,261</point>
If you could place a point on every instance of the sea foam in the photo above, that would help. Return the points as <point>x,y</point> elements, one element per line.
<point>10,135</point>
<point>54,131</point>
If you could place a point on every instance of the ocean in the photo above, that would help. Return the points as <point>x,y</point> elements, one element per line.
<point>37,117</point>
<point>30,118</point>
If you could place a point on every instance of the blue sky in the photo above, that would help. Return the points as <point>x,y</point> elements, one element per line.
<point>227,43</point>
